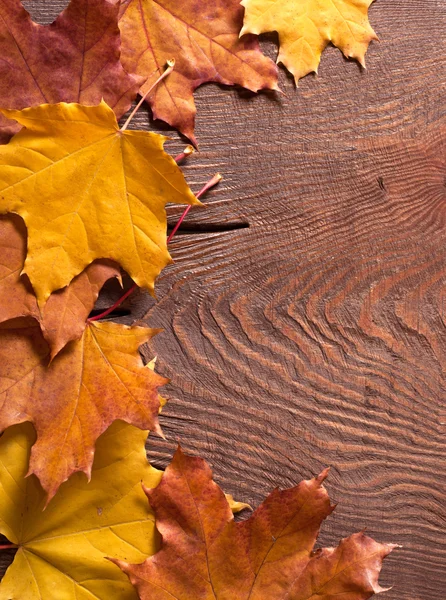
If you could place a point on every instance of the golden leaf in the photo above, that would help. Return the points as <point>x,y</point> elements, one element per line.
<point>306,28</point>
<point>62,551</point>
<point>88,190</point>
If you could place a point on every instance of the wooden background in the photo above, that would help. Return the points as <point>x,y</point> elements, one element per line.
<point>305,314</point>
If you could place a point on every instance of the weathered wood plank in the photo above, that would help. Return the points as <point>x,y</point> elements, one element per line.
<point>317,335</point>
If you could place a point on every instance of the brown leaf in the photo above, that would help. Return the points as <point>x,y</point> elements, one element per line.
<point>203,38</point>
<point>76,59</point>
<point>91,383</point>
<point>206,555</point>
<point>64,316</point>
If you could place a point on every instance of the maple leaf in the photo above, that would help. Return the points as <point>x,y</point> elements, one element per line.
<point>306,28</point>
<point>206,555</point>
<point>89,384</point>
<point>62,551</point>
<point>64,316</point>
<point>76,59</point>
<point>88,190</point>
<point>203,37</point>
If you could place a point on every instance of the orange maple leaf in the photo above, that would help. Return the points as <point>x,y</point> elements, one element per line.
<point>90,383</point>
<point>206,555</point>
<point>203,38</point>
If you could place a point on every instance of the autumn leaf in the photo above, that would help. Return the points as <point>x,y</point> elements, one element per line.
<point>62,551</point>
<point>203,38</point>
<point>76,59</point>
<point>64,316</point>
<point>88,190</point>
<point>306,28</point>
<point>206,555</point>
<point>89,384</point>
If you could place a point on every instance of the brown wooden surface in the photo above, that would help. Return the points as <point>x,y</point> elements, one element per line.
<point>317,335</point>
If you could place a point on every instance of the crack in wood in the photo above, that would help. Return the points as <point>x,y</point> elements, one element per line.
<point>200,228</point>
<point>118,312</point>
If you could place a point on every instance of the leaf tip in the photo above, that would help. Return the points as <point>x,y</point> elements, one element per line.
<point>157,429</point>
<point>122,564</point>
<point>323,475</point>
<point>55,348</point>
<point>147,491</point>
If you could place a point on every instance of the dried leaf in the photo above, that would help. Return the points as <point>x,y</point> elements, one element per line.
<point>91,383</point>
<point>206,555</point>
<point>76,59</point>
<point>87,190</point>
<point>203,38</point>
<point>306,28</point>
<point>62,551</point>
<point>64,316</point>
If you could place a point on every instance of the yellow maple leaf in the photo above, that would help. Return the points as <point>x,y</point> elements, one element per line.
<point>62,551</point>
<point>88,190</point>
<point>306,27</point>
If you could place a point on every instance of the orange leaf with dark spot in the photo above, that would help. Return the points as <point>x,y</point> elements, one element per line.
<point>89,384</point>
<point>203,38</point>
<point>205,555</point>
<point>64,316</point>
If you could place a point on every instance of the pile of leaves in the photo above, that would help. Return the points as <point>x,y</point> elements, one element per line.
<point>82,198</point>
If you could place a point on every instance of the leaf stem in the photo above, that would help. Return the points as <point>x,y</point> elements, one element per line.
<point>186,152</point>
<point>168,71</point>
<point>215,179</point>
<point>8,546</point>
<point>115,305</point>
<point>207,186</point>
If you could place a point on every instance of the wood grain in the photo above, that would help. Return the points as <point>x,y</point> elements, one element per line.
<point>316,336</point>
